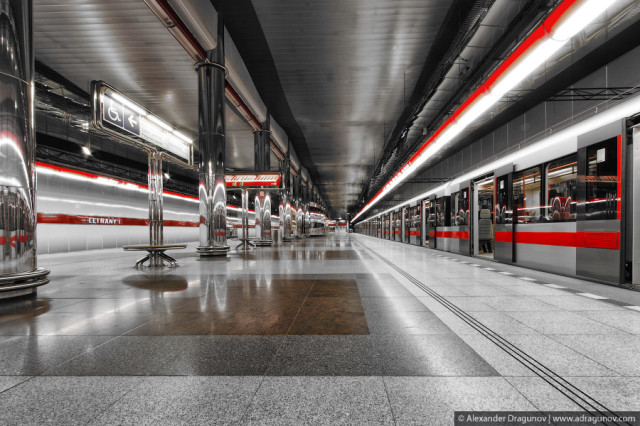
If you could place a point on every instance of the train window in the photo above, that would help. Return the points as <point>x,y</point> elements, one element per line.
<point>503,213</point>
<point>462,214</point>
<point>602,180</point>
<point>562,176</point>
<point>455,200</point>
<point>526,195</point>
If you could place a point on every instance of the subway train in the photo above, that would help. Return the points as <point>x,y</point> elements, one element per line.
<point>84,211</point>
<point>562,204</point>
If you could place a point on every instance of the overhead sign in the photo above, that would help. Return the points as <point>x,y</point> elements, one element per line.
<point>254,180</point>
<point>115,114</point>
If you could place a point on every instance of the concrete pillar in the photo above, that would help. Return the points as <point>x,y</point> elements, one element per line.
<point>211,141</point>
<point>19,274</point>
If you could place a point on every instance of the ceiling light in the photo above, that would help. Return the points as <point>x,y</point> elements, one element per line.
<point>86,150</point>
<point>167,176</point>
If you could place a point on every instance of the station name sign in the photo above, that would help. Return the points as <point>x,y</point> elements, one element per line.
<point>115,114</point>
<point>254,180</point>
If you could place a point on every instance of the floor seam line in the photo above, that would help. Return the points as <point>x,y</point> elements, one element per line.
<point>301,306</point>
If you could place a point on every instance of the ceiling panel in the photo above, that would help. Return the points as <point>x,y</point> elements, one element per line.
<point>345,68</point>
<point>123,43</point>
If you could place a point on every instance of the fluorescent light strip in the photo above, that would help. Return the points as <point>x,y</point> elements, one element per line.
<point>126,102</point>
<point>624,109</point>
<point>569,18</point>
<point>159,122</point>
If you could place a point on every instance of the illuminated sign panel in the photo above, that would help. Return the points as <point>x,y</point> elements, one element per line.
<point>117,115</point>
<point>260,180</point>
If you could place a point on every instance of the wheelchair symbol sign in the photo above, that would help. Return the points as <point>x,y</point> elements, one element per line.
<point>113,112</point>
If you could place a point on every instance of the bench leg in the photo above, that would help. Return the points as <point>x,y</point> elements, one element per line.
<point>139,263</point>
<point>172,262</point>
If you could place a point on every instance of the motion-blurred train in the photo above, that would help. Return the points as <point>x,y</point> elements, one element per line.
<point>563,204</point>
<point>85,211</point>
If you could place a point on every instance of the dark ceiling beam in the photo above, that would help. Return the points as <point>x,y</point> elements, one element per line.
<point>242,22</point>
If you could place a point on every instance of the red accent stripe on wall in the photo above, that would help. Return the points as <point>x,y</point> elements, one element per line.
<point>603,240</point>
<point>413,232</point>
<point>458,235</point>
<point>432,234</point>
<point>67,219</point>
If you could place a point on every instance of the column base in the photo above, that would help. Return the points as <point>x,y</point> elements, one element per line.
<point>22,284</point>
<point>212,250</point>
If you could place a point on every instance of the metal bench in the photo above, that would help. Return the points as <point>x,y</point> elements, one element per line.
<point>155,254</point>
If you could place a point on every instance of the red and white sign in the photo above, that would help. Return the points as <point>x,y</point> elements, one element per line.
<point>270,180</point>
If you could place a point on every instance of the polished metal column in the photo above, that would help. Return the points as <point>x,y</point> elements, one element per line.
<point>156,222</point>
<point>19,274</point>
<point>299,207</point>
<point>211,142</point>
<point>262,204</point>
<point>285,209</point>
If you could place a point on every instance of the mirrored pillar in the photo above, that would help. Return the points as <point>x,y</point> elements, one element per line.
<point>211,142</point>
<point>19,274</point>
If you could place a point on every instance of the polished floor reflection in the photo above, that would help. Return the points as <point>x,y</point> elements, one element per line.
<point>319,330</point>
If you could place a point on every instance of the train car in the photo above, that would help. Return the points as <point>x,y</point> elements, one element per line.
<point>561,209</point>
<point>85,211</point>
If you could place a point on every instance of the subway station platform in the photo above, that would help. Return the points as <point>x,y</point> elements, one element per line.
<point>345,329</point>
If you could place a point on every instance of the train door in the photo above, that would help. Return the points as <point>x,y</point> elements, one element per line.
<point>443,222</point>
<point>601,156</point>
<point>424,223</point>
<point>385,226</point>
<point>503,216</point>
<point>433,222</point>
<point>482,218</point>
<point>397,226</point>
<point>405,228</point>
<point>633,225</point>
<point>414,222</point>
<point>460,220</point>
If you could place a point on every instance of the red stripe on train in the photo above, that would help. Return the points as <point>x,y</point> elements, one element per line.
<point>458,235</point>
<point>603,240</point>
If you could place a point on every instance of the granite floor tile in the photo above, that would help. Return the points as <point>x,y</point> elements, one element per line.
<point>408,322</point>
<point>572,302</point>
<point>7,382</point>
<point>433,400</point>
<point>617,393</point>
<point>32,355</point>
<point>330,315</point>
<point>223,355</point>
<point>62,400</point>
<point>517,304</point>
<point>183,400</point>
<point>542,395</point>
<point>620,353</point>
<point>562,322</point>
<point>320,400</point>
<point>559,358</point>
<point>325,356</point>
<point>124,356</point>
<point>626,320</point>
<point>429,355</point>
<point>393,304</point>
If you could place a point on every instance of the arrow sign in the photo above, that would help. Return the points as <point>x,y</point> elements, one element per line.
<point>131,121</point>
